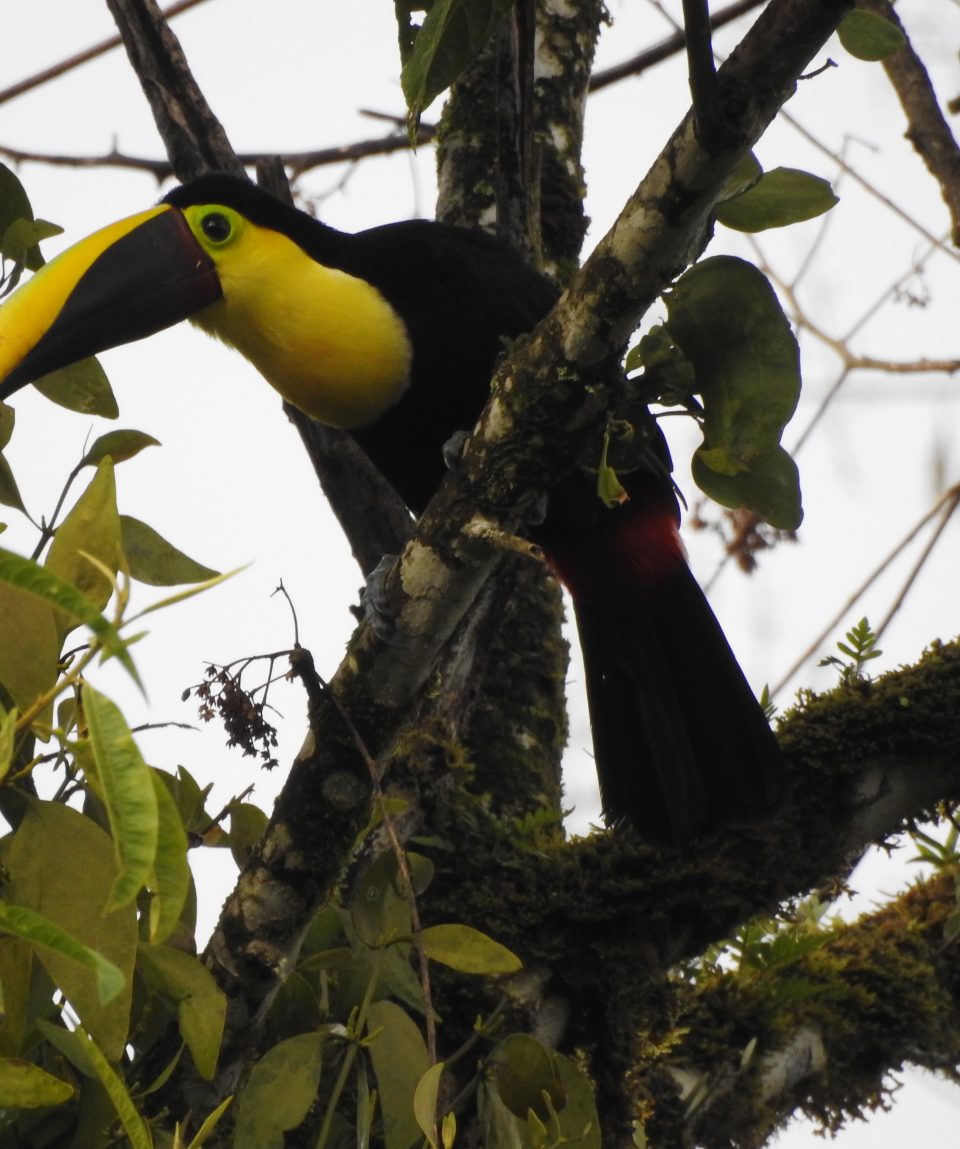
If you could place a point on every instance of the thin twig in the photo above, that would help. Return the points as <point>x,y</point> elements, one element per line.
<point>952,495</point>
<point>71,62</point>
<point>911,578</point>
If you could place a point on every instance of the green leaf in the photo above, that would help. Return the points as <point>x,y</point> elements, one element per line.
<point>452,35</point>
<point>134,1127</point>
<point>24,1085</point>
<point>9,491</point>
<point>8,723</point>
<point>210,1124</point>
<point>378,913</point>
<point>41,932</point>
<point>14,202</point>
<point>118,445</point>
<point>127,790</point>
<point>500,1128</point>
<point>81,387</point>
<point>399,1056</point>
<point>868,36</point>
<point>201,1005</point>
<point>771,487</point>
<point>726,319</point>
<point>154,561</point>
<point>578,1120</point>
<point>780,197</point>
<point>19,1011</point>
<point>21,241</point>
<point>468,950</point>
<point>15,206</point>
<point>31,645</point>
<point>183,595</point>
<point>247,824</point>
<point>523,1071</point>
<point>29,576</point>
<point>169,882</point>
<point>425,1102</point>
<point>279,1093</point>
<point>62,866</point>
<point>747,172</point>
<point>91,528</point>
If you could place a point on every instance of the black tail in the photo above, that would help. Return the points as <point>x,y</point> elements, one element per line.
<point>682,746</point>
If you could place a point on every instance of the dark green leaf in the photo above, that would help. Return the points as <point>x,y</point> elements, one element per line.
<point>869,36</point>
<point>400,1059</point>
<point>201,1005</point>
<point>81,387</point>
<point>8,418</point>
<point>725,317</point>
<point>24,1085</point>
<point>468,950</point>
<point>452,35</point>
<point>247,824</point>
<point>779,198</point>
<point>35,580</point>
<point>377,912</point>
<point>30,647</point>
<point>771,488</point>
<point>523,1071</point>
<point>40,931</point>
<point>21,240</point>
<point>279,1093</point>
<point>14,207</point>
<point>14,203</point>
<point>9,491</point>
<point>119,445</point>
<point>154,561</point>
<point>62,866</point>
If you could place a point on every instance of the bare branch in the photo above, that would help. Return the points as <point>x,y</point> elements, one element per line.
<point>71,62</point>
<point>927,129</point>
<point>296,162</point>
<point>194,137</point>
<point>945,504</point>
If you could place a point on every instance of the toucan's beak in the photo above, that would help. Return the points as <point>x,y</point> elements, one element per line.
<point>122,283</point>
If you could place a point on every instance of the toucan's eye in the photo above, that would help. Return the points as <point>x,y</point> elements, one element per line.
<point>216,227</point>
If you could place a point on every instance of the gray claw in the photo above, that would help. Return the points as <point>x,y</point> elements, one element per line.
<point>453,449</point>
<point>376,602</point>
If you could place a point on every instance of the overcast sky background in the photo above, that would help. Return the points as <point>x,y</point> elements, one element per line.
<point>231,486</point>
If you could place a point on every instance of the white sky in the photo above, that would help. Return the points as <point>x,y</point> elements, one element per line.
<point>231,486</point>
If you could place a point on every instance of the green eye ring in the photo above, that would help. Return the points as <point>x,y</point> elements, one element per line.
<point>216,226</point>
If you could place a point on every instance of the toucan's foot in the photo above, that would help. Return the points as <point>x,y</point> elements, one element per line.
<point>374,600</point>
<point>453,449</point>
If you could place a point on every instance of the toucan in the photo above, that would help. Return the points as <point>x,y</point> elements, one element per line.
<point>393,334</point>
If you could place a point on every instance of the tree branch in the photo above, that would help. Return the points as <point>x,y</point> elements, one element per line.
<point>827,1028</point>
<point>194,137</point>
<point>71,62</point>
<point>927,130</point>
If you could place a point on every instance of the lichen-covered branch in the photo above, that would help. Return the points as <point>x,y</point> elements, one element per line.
<point>819,1031</point>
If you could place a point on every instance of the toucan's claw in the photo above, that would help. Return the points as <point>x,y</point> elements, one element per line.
<point>378,611</point>
<point>453,449</point>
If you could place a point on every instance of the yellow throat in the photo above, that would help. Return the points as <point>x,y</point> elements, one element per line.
<point>327,341</point>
